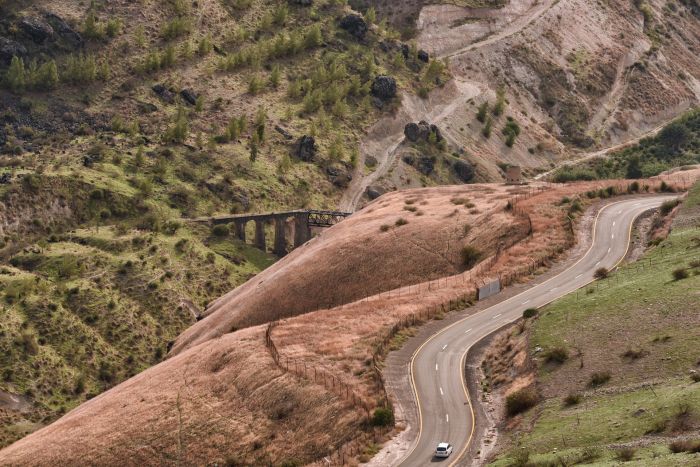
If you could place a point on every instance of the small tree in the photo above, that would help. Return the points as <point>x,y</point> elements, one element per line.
<point>383,416</point>
<point>601,273</point>
<point>482,112</point>
<point>254,148</point>
<point>486,131</point>
<point>16,75</point>
<point>470,256</point>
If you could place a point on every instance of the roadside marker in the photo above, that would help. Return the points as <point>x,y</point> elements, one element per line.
<point>444,347</point>
<point>441,393</point>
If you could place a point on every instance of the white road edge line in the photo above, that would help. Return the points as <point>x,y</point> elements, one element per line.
<point>467,330</point>
<point>436,367</point>
<point>441,393</point>
<point>447,417</point>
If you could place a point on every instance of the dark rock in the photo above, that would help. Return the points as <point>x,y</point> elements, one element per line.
<point>339,175</point>
<point>189,96</point>
<point>5,178</point>
<point>370,161</point>
<point>287,135</point>
<point>37,29</point>
<point>423,56</point>
<point>305,149</point>
<point>355,25</point>
<point>385,46</point>
<point>463,169</point>
<point>375,191</point>
<point>302,2</point>
<point>67,33</point>
<point>426,165</point>
<point>384,87</point>
<point>405,50</point>
<point>219,50</point>
<point>9,49</point>
<point>408,159</point>
<point>164,93</point>
<point>421,131</point>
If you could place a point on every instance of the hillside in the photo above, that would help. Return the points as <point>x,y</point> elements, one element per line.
<point>615,366</point>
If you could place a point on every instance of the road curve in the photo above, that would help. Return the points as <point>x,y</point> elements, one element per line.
<point>444,408</point>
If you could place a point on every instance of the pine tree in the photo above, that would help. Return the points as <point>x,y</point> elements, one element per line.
<point>481,113</point>
<point>275,76</point>
<point>15,77</point>
<point>260,119</point>
<point>48,75</point>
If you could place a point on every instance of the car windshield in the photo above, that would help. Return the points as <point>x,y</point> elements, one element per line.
<point>440,448</point>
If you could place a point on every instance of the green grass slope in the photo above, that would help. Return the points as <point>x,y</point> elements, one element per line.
<point>629,385</point>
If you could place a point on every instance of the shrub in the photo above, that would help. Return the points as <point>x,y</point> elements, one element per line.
<point>625,454</point>
<point>470,256</point>
<point>530,313</point>
<point>401,221</point>
<point>668,206</point>
<point>383,416</point>
<point>220,230</point>
<point>634,354</point>
<point>686,445</point>
<point>601,273</point>
<point>482,112</point>
<point>556,355</point>
<point>599,378</point>
<point>680,274</point>
<point>384,227</point>
<point>511,131</point>
<point>520,401</point>
<point>572,399</point>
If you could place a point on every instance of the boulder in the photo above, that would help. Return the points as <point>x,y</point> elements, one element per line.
<point>423,56</point>
<point>9,49</point>
<point>384,87</point>
<point>420,131</point>
<point>436,130</point>
<point>302,2</point>
<point>355,25</point>
<point>412,132</point>
<point>5,178</point>
<point>287,135</point>
<point>375,191</point>
<point>37,29</point>
<point>463,170</point>
<point>189,96</point>
<point>305,149</point>
<point>426,165</point>
<point>339,175</point>
<point>67,33</point>
<point>371,161</point>
<point>164,93</point>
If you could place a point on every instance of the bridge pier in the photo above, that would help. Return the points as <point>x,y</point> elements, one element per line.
<point>240,229</point>
<point>260,234</point>
<point>280,248</point>
<point>302,231</point>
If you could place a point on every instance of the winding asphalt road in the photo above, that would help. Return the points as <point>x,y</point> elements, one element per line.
<point>444,406</point>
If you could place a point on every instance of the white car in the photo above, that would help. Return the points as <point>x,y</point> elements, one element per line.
<point>443,450</point>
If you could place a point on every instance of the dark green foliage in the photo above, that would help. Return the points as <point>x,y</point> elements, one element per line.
<point>530,313</point>
<point>556,355</point>
<point>382,416</point>
<point>482,112</point>
<point>220,230</point>
<point>520,401</point>
<point>572,399</point>
<point>470,255</point>
<point>599,378</point>
<point>511,131</point>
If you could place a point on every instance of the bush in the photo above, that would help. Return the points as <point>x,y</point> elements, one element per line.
<point>383,416</point>
<point>625,454</point>
<point>687,445</point>
<point>601,273</point>
<point>520,401</point>
<point>530,313</point>
<point>599,378</point>
<point>220,230</point>
<point>680,273</point>
<point>384,227</point>
<point>556,355</point>
<point>470,256</point>
<point>668,206</point>
<point>572,399</point>
<point>401,221</point>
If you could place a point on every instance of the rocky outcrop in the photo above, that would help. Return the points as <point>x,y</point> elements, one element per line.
<point>305,149</point>
<point>37,29</point>
<point>302,2</point>
<point>70,35</point>
<point>375,191</point>
<point>189,96</point>
<point>421,131</point>
<point>9,49</point>
<point>384,87</point>
<point>285,134</point>
<point>339,175</point>
<point>164,93</point>
<point>423,56</point>
<point>463,170</point>
<point>355,25</point>
<point>423,164</point>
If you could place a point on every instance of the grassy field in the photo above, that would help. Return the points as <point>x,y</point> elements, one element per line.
<point>638,333</point>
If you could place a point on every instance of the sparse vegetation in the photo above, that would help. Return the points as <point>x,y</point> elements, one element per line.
<point>520,401</point>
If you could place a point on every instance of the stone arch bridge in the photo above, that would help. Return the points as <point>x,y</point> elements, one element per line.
<point>303,221</point>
